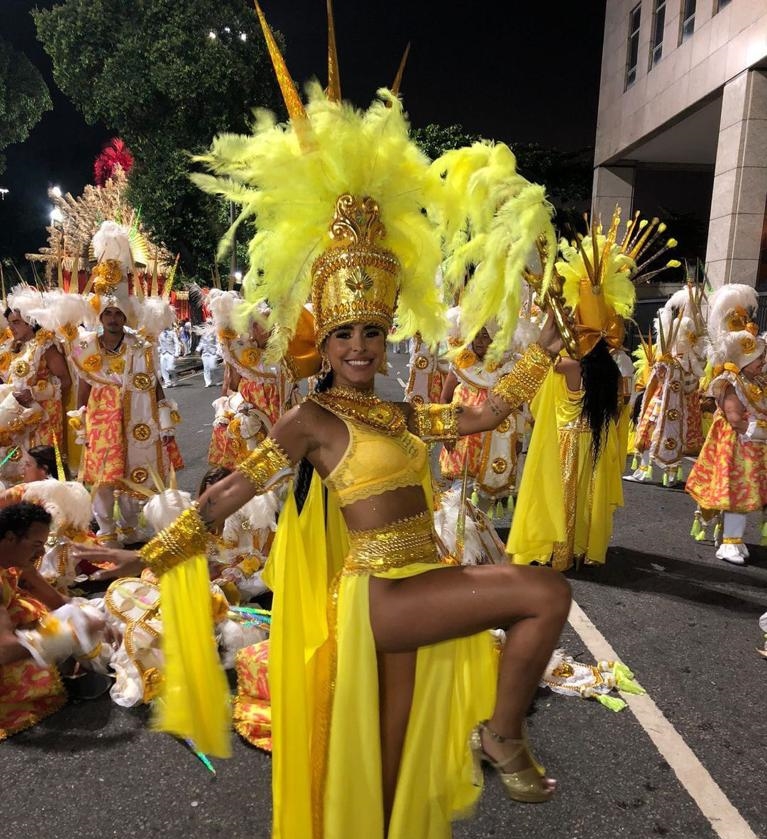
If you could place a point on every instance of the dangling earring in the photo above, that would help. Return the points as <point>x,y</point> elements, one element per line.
<point>383,367</point>
<point>325,367</point>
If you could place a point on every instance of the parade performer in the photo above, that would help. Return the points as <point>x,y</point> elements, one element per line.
<point>209,351</point>
<point>730,473</point>
<point>576,448</point>
<point>169,349</point>
<point>428,369</point>
<point>384,667</point>
<point>69,504</point>
<point>487,461</point>
<point>256,393</point>
<point>39,627</point>
<point>36,384</point>
<point>123,418</point>
<point>670,425</point>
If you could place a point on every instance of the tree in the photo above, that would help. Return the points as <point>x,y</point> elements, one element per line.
<point>24,98</point>
<point>434,140</point>
<point>168,77</point>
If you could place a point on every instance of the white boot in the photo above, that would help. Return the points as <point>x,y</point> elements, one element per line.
<point>733,549</point>
<point>644,473</point>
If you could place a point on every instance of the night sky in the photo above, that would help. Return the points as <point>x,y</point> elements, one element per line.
<point>517,72</point>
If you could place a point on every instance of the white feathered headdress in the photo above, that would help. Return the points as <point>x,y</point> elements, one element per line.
<point>732,330</point>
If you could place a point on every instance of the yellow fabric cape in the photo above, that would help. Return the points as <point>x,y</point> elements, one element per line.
<point>323,677</point>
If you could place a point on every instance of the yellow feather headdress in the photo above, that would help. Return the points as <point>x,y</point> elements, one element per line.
<point>593,288</point>
<point>349,212</point>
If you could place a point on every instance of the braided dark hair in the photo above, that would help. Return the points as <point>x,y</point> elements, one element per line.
<point>601,388</point>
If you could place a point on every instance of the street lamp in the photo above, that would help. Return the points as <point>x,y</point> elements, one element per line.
<point>3,192</point>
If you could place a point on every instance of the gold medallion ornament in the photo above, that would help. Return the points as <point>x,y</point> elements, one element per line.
<point>362,407</point>
<point>421,362</point>
<point>142,381</point>
<point>504,426</point>
<point>141,432</point>
<point>499,466</point>
<point>139,475</point>
<point>20,368</point>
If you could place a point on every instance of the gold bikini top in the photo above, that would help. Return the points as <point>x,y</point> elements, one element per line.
<point>374,463</point>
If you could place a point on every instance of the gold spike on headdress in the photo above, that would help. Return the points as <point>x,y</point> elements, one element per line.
<point>333,91</point>
<point>397,83</point>
<point>166,289</point>
<point>296,110</point>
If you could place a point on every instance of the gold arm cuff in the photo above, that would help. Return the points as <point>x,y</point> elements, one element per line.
<point>183,538</point>
<point>436,423</point>
<point>523,381</point>
<point>263,463</point>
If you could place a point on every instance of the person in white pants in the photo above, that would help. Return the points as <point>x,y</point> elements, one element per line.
<point>210,354</point>
<point>169,349</point>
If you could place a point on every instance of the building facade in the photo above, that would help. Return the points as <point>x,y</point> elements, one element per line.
<point>682,124</point>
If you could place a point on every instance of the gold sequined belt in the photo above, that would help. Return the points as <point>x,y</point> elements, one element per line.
<point>397,544</point>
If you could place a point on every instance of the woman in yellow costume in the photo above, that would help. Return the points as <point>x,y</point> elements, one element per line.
<point>380,665</point>
<point>577,447</point>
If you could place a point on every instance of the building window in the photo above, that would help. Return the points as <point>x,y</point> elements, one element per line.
<point>632,50</point>
<point>720,4</point>
<point>688,20</point>
<point>656,36</point>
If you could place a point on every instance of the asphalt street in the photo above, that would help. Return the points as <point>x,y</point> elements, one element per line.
<point>691,762</point>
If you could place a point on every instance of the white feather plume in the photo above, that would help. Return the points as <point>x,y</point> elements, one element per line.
<point>59,309</point>
<point>112,241</point>
<point>222,306</point>
<point>165,507</point>
<point>25,300</point>
<point>68,502</point>
<point>155,315</point>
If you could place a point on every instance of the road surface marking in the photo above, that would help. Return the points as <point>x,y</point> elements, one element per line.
<point>725,819</point>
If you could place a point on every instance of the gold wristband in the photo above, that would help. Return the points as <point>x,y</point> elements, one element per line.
<point>523,381</point>
<point>436,423</point>
<point>264,462</point>
<point>183,538</point>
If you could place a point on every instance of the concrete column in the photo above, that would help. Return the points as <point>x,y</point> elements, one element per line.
<point>612,185</point>
<point>740,182</point>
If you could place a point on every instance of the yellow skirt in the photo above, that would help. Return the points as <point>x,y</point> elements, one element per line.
<point>324,682</point>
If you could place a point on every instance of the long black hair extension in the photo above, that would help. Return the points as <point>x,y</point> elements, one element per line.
<point>305,469</point>
<point>601,387</point>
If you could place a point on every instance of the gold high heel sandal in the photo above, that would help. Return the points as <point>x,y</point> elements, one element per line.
<point>523,785</point>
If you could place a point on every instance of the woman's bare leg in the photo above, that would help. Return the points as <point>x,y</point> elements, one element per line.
<point>531,604</point>
<point>396,679</point>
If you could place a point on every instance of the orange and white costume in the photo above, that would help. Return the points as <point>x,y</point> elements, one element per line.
<point>730,474</point>
<point>264,391</point>
<point>25,368</point>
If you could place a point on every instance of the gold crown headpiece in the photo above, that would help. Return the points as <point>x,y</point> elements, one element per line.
<point>354,280</point>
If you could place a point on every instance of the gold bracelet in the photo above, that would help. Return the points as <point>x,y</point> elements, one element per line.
<point>182,539</point>
<point>436,423</point>
<point>264,462</point>
<point>523,381</point>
